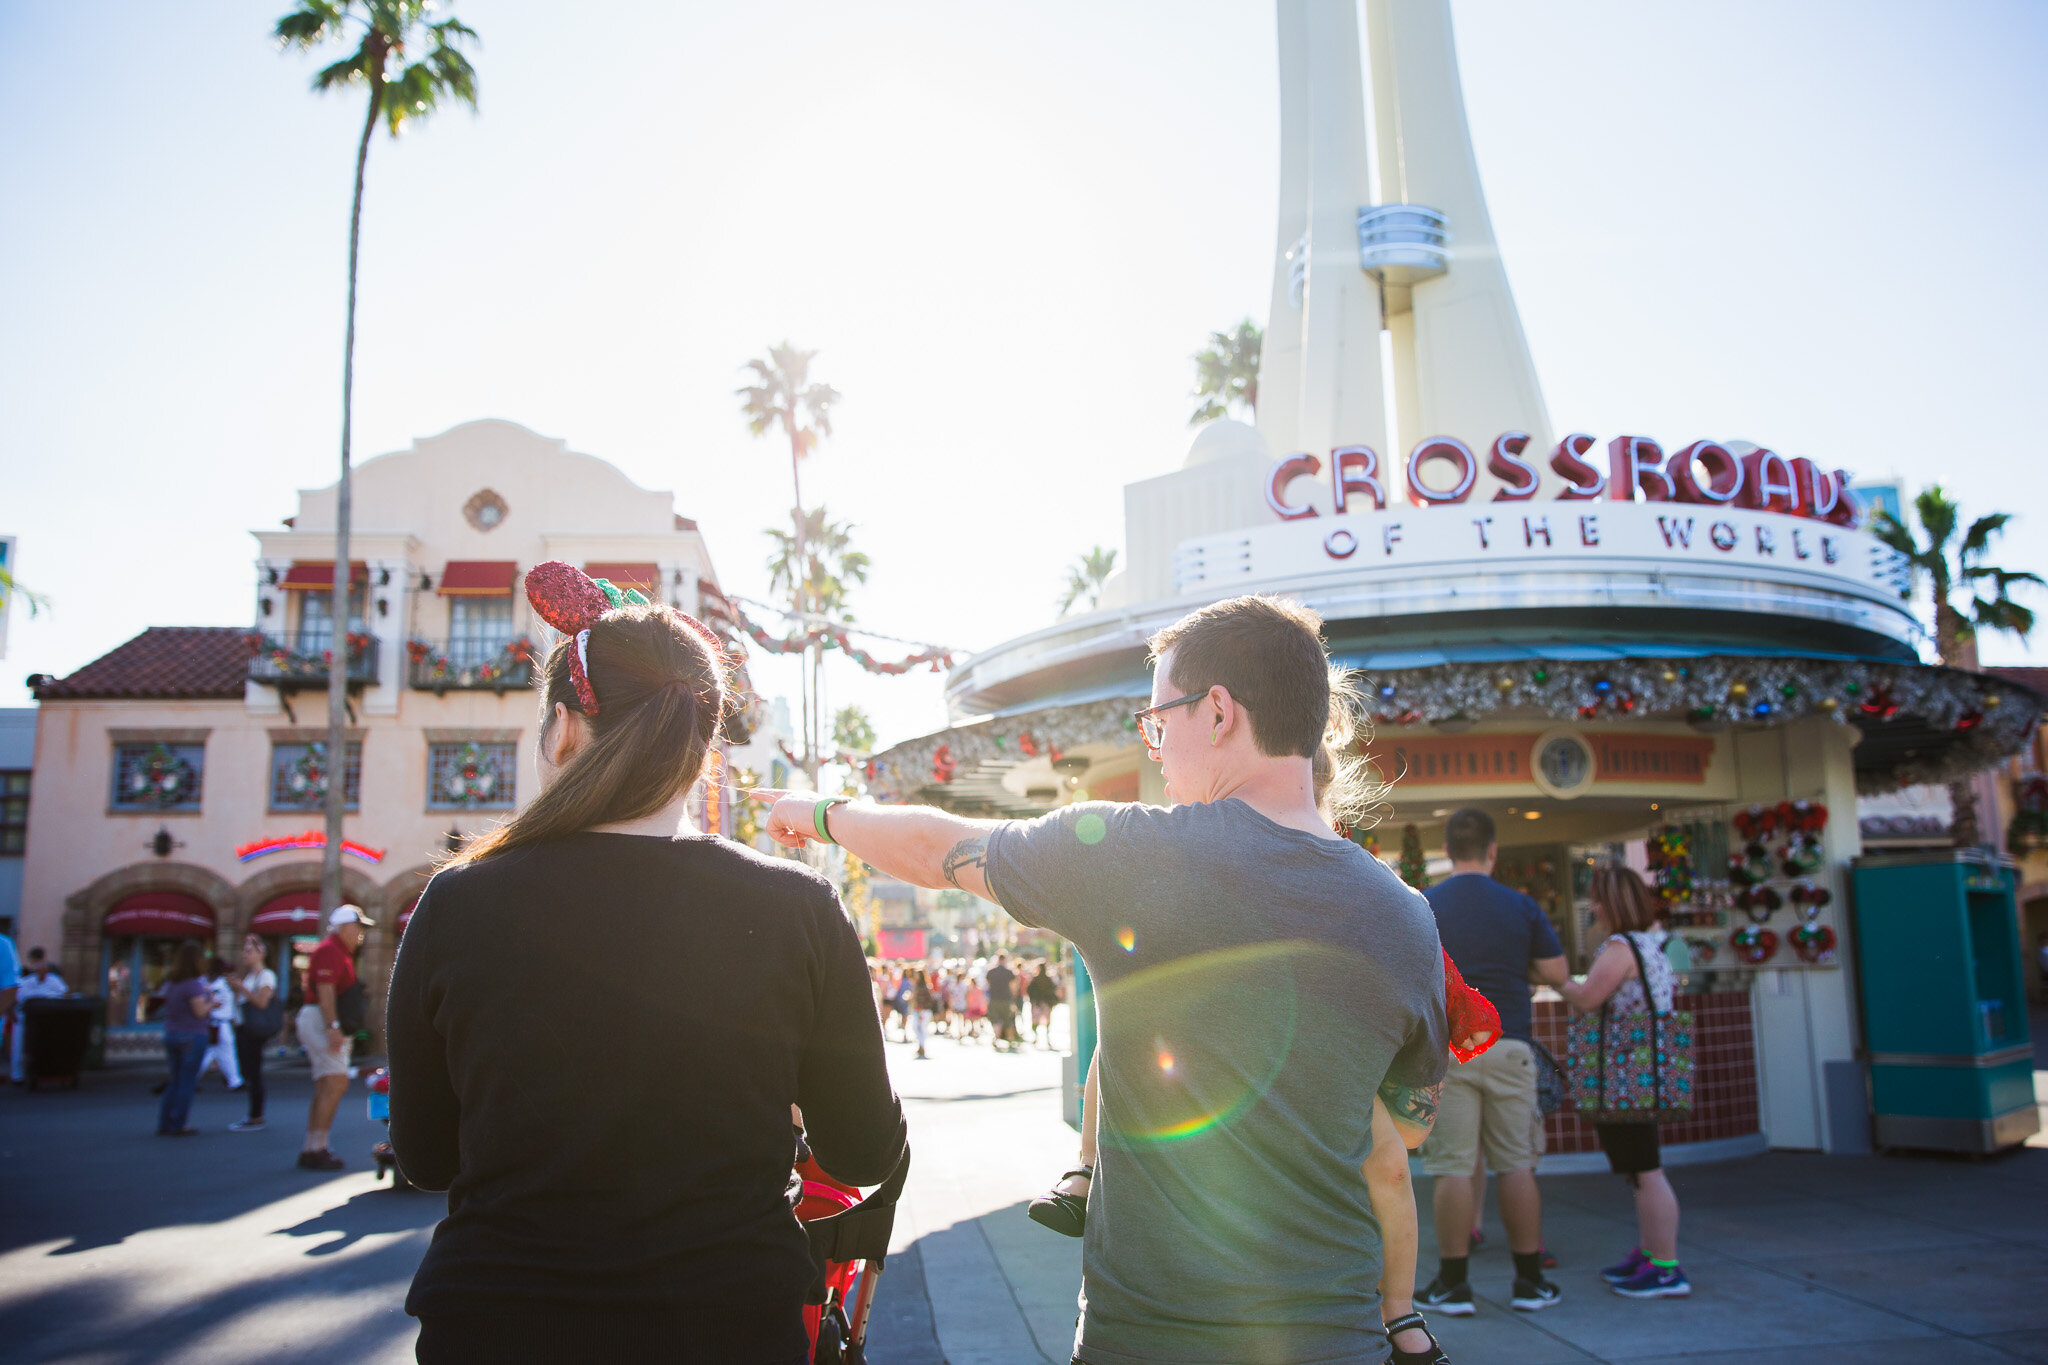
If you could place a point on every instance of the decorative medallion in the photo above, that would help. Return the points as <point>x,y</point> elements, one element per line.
<point>485,510</point>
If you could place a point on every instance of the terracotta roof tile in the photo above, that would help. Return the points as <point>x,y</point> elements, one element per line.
<point>207,662</point>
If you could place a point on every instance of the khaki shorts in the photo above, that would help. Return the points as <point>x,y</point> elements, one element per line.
<point>1488,1102</point>
<point>314,1036</point>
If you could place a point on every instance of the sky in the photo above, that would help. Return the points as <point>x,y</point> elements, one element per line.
<point>1005,229</point>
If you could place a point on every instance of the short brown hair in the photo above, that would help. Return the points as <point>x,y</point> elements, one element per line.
<point>1630,906</point>
<point>1268,654</point>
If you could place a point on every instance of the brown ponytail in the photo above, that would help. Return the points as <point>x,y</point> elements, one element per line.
<point>662,694</point>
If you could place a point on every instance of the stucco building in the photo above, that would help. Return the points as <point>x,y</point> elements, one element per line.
<point>179,779</point>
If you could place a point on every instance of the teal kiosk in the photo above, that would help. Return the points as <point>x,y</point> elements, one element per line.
<point>1944,1016</point>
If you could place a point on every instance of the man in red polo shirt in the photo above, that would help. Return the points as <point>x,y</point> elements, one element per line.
<point>333,1010</point>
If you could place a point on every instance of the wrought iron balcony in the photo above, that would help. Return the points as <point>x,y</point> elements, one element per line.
<point>276,664</point>
<point>1403,244</point>
<point>468,665</point>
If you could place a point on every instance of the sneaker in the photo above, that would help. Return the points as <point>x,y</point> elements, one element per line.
<point>1452,1300</point>
<point>1627,1270</point>
<point>322,1160</point>
<point>246,1126</point>
<point>1534,1295</point>
<point>1656,1282</point>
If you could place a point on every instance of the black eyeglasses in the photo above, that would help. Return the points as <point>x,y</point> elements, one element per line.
<point>1151,721</point>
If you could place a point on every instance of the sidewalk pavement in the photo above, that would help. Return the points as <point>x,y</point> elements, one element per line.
<point>1794,1257</point>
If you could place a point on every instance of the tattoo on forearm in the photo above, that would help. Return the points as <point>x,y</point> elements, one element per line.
<point>967,853</point>
<point>1416,1108</point>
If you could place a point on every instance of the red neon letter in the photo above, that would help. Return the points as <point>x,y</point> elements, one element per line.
<point>1633,459</point>
<point>1768,485</point>
<point>1721,486</point>
<point>1518,476</point>
<point>1286,471</point>
<point>1581,479</point>
<point>1441,448</point>
<point>1356,469</point>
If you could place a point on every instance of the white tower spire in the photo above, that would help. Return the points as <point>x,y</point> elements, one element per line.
<point>1319,376</point>
<point>1422,263</point>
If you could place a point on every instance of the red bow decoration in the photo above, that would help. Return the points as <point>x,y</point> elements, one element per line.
<point>1475,1023</point>
<point>566,598</point>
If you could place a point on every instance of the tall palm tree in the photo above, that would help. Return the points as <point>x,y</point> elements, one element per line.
<point>784,396</point>
<point>1951,567</point>
<point>1227,372</point>
<point>400,92</point>
<point>1085,577</point>
<point>818,566</point>
<point>854,729</point>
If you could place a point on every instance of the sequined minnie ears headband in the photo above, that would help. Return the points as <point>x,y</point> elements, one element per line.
<point>572,602</point>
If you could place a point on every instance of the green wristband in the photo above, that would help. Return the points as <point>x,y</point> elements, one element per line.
<point>818,816</point>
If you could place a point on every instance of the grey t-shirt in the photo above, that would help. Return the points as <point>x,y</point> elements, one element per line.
<point>1255,985</point>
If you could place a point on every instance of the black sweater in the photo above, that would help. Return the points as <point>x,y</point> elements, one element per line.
<point>594,1046</point>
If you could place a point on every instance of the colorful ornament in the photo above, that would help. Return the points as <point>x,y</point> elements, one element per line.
<point>1813,942</point>
<point>1754,945</point>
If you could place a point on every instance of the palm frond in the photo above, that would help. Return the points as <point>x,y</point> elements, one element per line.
<point>2002,613</point>
<point>1938,515</point>
<point>1978,538</point>
<point>311,24</point>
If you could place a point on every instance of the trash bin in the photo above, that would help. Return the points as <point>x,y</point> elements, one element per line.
<point>56,1035</point>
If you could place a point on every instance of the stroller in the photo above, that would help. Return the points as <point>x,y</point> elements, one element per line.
<point>849,1241</point>
<point>380,1112</point>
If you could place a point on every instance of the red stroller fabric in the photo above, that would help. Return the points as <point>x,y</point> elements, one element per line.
<point>1475,1023</point>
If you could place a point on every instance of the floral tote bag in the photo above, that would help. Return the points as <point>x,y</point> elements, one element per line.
<point>1633,1064</point>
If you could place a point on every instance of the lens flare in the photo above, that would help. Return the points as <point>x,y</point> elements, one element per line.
<point>1090,828</point>
<point>1127,939</point>
<point>1166,1061</point>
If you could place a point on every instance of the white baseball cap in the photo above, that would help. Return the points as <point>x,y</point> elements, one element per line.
<point>349,914</point>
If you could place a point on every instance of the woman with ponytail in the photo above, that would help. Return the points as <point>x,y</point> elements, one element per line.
<point>613,1126</point>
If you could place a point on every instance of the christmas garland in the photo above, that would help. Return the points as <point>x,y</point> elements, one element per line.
<point>836,637</point>
<point>307,777</point>
<point>434,670</point>
<point>289,663</point>
<point>1987,718</point>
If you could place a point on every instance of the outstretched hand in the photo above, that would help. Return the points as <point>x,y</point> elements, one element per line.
<point>791,815</point>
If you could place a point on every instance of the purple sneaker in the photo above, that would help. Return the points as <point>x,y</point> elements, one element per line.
<point>1627,1270</point>
<point>1656,1282</point>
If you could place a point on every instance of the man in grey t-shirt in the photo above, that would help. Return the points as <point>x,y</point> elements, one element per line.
<point>1260,981</point>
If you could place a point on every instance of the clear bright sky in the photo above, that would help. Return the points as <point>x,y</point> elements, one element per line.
<point>1005,227</point>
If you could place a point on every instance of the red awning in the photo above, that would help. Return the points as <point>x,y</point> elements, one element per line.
<point>478,578</point>
<point>165,914</point>
<point>645,577</point>
<point>295,912</point>
<point>307,575</point>
<point>405,915</point>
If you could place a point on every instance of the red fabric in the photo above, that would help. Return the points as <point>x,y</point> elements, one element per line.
<point>295,912</point>
<point>305,575</point>
<point>478,578</point>
<point>1475,1023</point>
<point>165,914</point>
<point>330,964</point>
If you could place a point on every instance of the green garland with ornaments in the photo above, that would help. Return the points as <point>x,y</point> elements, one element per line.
<point>1986,718</point>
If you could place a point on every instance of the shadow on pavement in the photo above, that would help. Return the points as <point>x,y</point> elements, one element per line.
<point>373,1211</point>
<point>900,1328</point>
<point>86,1168</point>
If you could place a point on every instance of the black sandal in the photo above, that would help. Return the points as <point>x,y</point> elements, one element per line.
<point>1433,1356</point>
<point>1066,1214</point>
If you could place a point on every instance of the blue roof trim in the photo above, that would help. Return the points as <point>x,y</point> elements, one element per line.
<point>1140,686</point>
<point>1392,660</point>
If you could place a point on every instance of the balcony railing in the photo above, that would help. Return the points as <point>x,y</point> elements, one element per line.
<point>275,664</point>
<point>460,665</point>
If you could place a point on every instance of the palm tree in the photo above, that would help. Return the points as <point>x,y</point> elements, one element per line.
<point>1085,577</point>
<point>785,397</point>
<point>1227,371</point>
<point>400,92</point>
<point>853,729</point>
<point>10,589</point>
<point>1950,569</point>
<point>831,565</point>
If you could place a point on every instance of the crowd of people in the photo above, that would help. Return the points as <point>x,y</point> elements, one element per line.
<point>970,1001</point>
